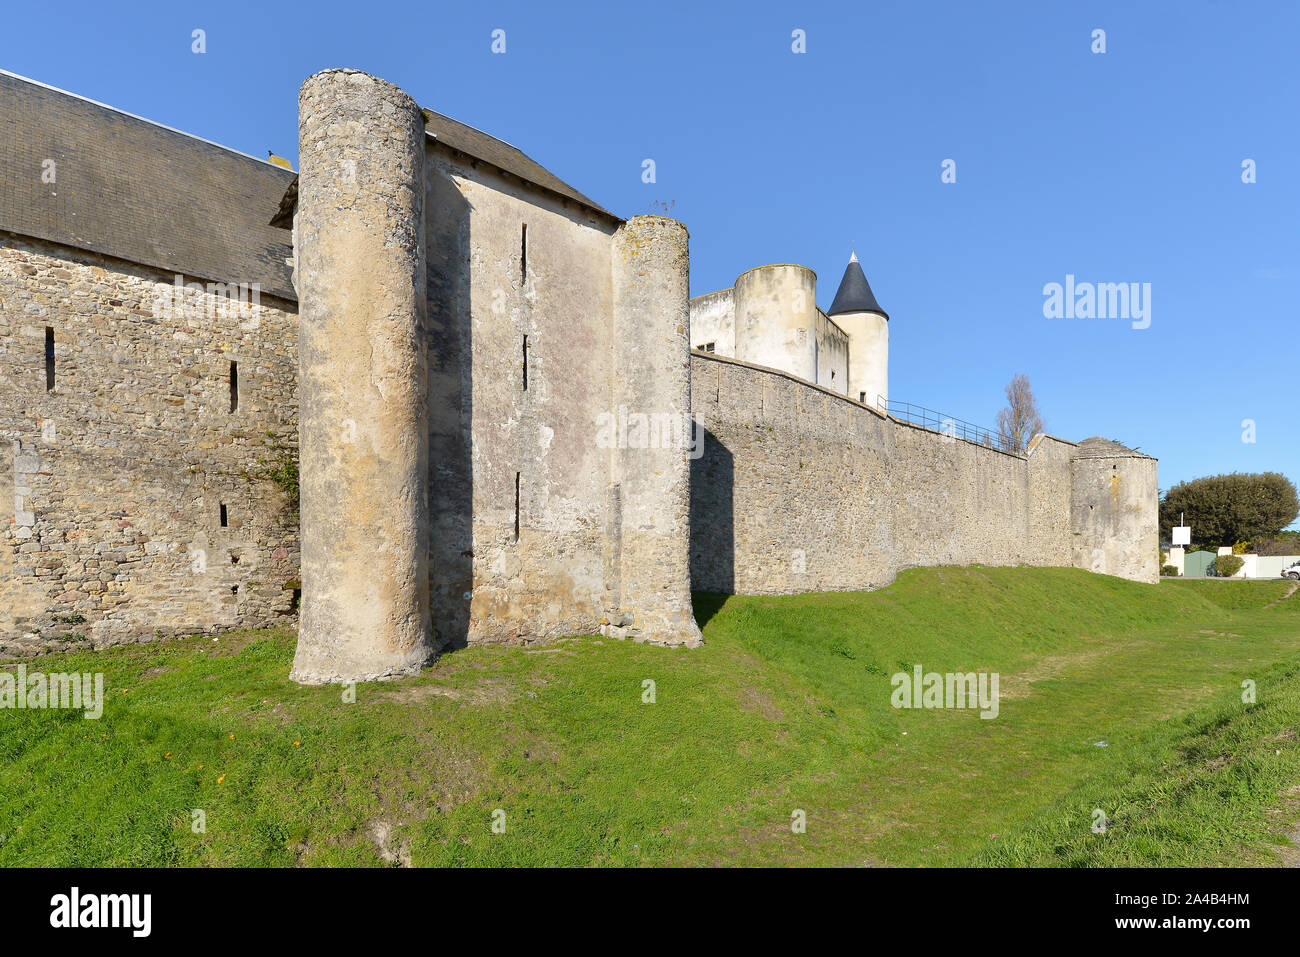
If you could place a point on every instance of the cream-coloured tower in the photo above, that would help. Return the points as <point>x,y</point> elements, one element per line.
<point>776,310</point>
<point>650,504</point>
<point>856,311</point>
<point>362,371</point>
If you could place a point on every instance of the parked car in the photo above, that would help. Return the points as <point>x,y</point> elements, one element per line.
<point>1293,572</point>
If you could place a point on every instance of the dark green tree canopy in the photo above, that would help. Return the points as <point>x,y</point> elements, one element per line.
<point>1225,509</point>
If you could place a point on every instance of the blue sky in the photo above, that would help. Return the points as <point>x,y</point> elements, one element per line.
<point>1124,166</point>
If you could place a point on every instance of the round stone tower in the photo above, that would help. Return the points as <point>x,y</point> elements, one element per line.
<point>776,318</point>
<point>651,274</point>
<point>362,370</point>
<point>856,311</point>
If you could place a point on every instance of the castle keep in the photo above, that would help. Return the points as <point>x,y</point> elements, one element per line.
<point>510,419</point>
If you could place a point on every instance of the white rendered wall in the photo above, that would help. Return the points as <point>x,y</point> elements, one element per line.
<point>868,354</point>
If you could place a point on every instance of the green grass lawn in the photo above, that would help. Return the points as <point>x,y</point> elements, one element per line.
<point>785,708</point>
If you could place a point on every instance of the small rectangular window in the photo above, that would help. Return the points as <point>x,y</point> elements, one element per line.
<point>525,363</point>
<point>708,347</point>
<point>516,506</point>
<point>523,255</point>
<point>225,521</point>
<point>49,358</point>
<point>862,397</point>
<point>234,386</point>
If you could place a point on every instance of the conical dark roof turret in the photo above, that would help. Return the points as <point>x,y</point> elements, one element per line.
<point>854,294</point>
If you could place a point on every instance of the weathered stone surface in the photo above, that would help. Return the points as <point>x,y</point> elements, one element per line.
<point>802,490</point>
<point>512,467</point>
<point>1114,511</point>
<point>521,371</point>
<point>117,485</point>
<point>362,381</point>
<point>651,322</point>
<point>776,316</point>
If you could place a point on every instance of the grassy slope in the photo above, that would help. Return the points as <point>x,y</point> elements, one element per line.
<point>786,706</point>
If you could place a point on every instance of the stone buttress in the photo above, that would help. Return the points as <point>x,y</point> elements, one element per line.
<point>650,477</point>
<point>362,381</point>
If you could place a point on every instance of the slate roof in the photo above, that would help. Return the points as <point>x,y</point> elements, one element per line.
<point>480,146</point>
<point>854,294</point>
<point>135,190</point>
<point>138,191</point>
<point>457,136</point>
<point>1099,448</point>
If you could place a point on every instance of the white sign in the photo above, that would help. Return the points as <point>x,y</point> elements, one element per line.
<point>1182,534</point>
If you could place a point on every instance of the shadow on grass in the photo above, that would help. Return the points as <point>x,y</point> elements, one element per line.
<point>706,605</point>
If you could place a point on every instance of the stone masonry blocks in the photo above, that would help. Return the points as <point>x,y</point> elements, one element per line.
<point>800,490</point>
<point>464,339</point>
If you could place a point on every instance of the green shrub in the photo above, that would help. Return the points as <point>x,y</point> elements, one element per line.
<point>1169,571</point>
<point>1230,508</point>
<point>1225,566</point>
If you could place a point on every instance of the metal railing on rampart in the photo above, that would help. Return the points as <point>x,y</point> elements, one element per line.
<point>940,422</point>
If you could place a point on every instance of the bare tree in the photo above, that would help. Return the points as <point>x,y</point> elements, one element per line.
<point>1019,421</point>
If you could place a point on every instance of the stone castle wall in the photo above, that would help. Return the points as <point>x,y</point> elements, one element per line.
<point>802,490</point>
<point>518,285</point>
<point>544,317</point>
<point>1113,516</point>
<point>537,311</point>
<point>831,353</point>
<point>481,362</point>
<point>1050,490</point>
<point>958,503</point>
<point>117,476</point>
<point>792,492</point>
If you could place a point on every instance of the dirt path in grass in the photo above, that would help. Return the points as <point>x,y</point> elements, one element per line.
<point>1289,592</point>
